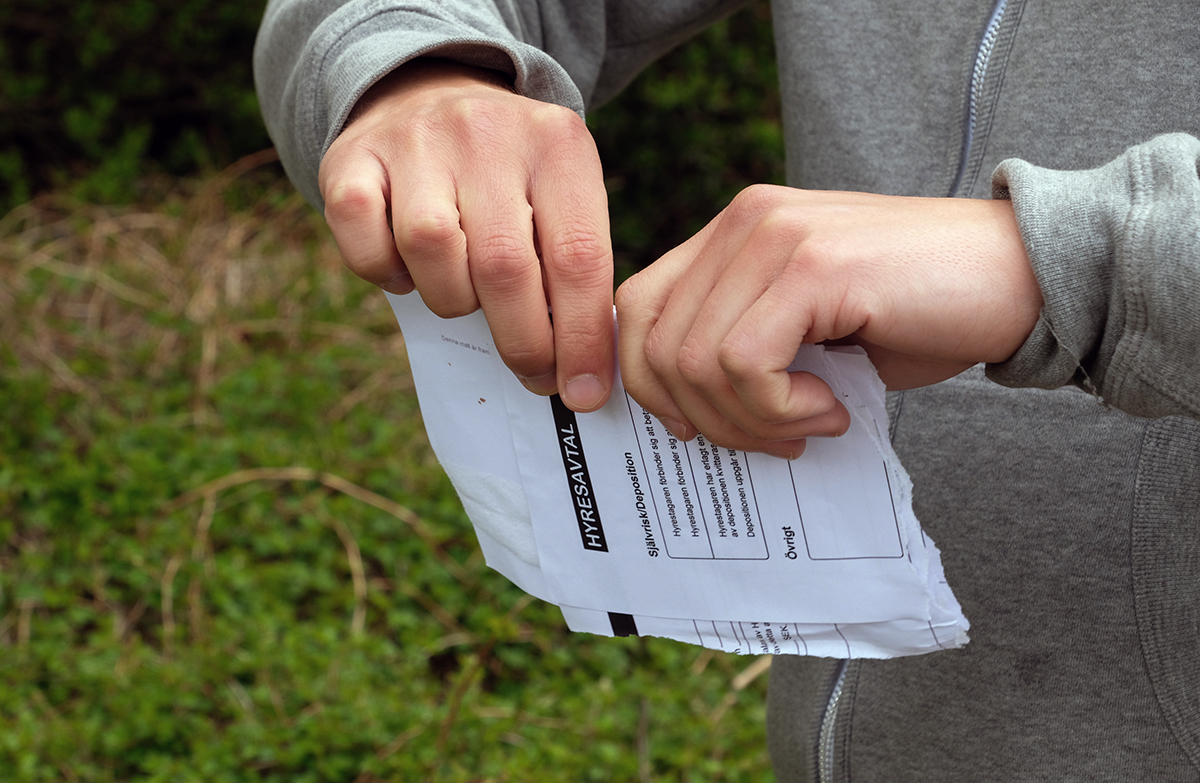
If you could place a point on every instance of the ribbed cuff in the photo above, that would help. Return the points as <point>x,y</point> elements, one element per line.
<point>1070,222</point>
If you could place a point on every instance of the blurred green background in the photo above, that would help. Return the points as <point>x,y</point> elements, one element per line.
<point>226,551</point>
<point>96,94</point>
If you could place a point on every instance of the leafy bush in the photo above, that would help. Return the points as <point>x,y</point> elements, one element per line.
<point>99,93</point>
<point>97,89</point>
<point>226,553</point>
<point>694,129</point>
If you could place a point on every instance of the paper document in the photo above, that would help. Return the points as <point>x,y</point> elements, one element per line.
<point>631,531</point>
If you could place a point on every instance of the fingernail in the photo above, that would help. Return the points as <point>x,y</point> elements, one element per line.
<point>583,392</point>
<point>543,385</point>
<point>789,453</point>
<point>399,285</point>
<point>676,428</point>
<point>835,433</point>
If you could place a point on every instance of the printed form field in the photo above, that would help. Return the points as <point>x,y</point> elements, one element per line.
<point>704,499</point>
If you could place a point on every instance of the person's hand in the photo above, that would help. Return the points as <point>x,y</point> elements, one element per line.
<point>446,181</point>
<point>929,287</point>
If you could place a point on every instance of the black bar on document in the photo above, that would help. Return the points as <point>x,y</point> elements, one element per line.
<point>579,482</point>
<point>622,624</point>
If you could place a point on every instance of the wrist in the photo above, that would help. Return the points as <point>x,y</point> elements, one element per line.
<point>1023,291</point>
<point>426,73</point>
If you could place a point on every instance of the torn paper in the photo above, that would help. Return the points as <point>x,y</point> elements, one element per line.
<point>631,531</point>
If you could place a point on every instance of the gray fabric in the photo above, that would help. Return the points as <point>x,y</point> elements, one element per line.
<point>795,705</point>
<point>1123,328</point>
<point>1056,528</point>
<point>1166,572</point>
<point>1070,528</point>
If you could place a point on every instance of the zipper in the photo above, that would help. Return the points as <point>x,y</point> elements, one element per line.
<point>983,54</point>
<point>826,745</point>
<point>826,748</point>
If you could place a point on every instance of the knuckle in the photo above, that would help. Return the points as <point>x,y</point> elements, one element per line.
<point>789,225</point>
<point>736,361</point>
<point>463,112</point>
<point>756,200</point>
<point>565,141</point>
<point>629,298</point>
<point>694,363</point>
<point>500,254</point>
<point>658,354</point>
<point>559,121</point>
<point>481,122</point>
<point>347,199</point>
<point>818,260</point>
<point>421,233</point>
<point>576,251</point>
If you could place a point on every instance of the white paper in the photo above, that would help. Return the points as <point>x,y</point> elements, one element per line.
<point>631,531</point>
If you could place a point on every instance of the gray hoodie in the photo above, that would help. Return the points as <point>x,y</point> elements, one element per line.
<point>1063,485</point>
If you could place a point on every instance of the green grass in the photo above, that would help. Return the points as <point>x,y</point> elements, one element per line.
<point>228,554</point>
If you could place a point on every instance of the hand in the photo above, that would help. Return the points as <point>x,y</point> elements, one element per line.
<point>929,287</point>
<point>446,181</point>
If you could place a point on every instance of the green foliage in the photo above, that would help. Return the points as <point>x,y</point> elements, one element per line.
<point>98,93</point>
<point>206,428</point>
<point>101,89</point>
<point>697,127</point>
<point>226,552</point>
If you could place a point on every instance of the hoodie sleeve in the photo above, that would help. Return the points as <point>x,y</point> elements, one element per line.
<point>1116,251</point>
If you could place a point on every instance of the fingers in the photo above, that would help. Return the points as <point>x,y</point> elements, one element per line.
<point>702,338</point>
<point>571,215</point>
<point>753,352</point>
<point>640,302</point>
<point>506,276</point>
<point>655,310</point>
<point>497,202</point>
<point>537,240</point>
<point>431,241</point>
<point>731,377</point>
<point>356,209</point>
